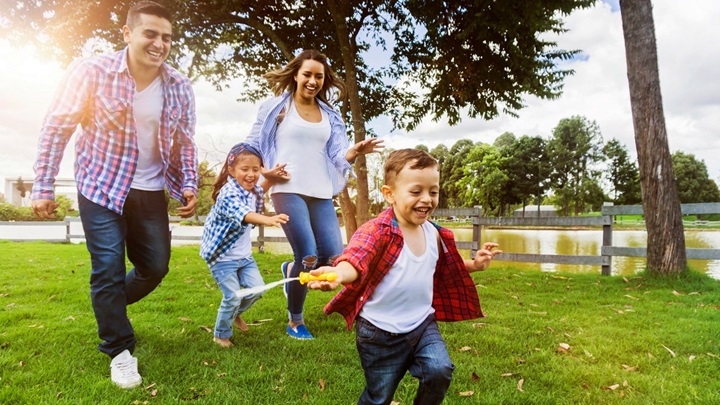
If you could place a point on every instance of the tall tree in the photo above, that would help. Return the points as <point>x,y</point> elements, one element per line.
<point>574,151</point>
<point>524,165</point>
<point>622,173</point>
<point>481,57</point>
<point>452,171</point>
<point>661,203</point>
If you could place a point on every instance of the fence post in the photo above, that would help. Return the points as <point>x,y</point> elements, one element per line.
<point>607,241</point>
<point>261,238</point>
<point>477,230</point>
<point>67,230</point>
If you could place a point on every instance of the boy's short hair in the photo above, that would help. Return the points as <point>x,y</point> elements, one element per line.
<point>399,158</point>
<point>146,7</point>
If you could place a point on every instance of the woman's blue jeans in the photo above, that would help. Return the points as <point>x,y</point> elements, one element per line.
<point>386,357</point>
<point>230,276</point>
<point>143,231</point>
<point>314,235</point>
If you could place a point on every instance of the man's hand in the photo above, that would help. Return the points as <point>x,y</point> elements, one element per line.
<point>44,209</point>
<point>188,209</point>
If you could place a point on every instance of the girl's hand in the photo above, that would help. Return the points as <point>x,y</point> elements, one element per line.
<point>279,219</point>
<point>277,174</point>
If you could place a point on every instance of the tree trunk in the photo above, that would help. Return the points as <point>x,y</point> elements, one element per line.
<point>349,53</point>
<point>348,211</point>
<point>661,204</point>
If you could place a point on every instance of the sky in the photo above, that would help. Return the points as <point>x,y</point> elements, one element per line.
<point>687,36</point>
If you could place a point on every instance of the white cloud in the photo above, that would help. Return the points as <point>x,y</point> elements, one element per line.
<point>598,90</point>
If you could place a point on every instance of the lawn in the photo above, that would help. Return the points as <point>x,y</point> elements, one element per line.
<point>548,338</point>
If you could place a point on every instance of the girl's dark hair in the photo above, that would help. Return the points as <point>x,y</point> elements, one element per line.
<point>283,79</point>
<point>241,149</point>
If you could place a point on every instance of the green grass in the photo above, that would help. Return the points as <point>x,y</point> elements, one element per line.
<point>620,334</point>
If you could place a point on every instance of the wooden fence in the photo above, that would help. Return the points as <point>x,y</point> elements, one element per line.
<point>605,221</point>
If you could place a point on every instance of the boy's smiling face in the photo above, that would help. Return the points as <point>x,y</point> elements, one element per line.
<point>414,194</point>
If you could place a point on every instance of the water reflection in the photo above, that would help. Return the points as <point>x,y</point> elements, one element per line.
<point>589,242</point>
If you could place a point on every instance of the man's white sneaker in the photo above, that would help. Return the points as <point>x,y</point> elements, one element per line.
<point>124,371</point>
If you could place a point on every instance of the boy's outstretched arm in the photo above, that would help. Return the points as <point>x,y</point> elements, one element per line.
<point>483,257</point>
<point>345,271</point>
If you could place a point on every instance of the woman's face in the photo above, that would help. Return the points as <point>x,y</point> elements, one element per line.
<point>310,79</point>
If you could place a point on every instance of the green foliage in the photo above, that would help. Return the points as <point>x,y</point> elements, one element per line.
<point>575,152</point>
<point>9,212</point>
<point>623,174</point>
<point>693,183</point>
<point>655,337</point>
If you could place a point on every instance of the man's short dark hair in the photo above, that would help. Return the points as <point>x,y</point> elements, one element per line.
<point>146,7</point>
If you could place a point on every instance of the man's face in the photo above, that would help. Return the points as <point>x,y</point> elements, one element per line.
<point>148,42</point>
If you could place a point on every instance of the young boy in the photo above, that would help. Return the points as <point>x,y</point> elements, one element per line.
<point>401,273</point>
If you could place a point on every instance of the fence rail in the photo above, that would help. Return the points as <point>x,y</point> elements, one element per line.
<point>606,220</point>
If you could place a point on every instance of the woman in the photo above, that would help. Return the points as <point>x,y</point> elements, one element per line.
<point>298,127</point>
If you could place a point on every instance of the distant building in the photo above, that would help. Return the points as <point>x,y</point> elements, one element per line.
<point>63,186</point>
<point>531,211</point>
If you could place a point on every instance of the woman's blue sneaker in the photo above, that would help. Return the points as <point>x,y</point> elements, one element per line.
<point>299,332</point>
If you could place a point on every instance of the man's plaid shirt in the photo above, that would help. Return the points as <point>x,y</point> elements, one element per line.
<point>97,93</point>
<point>375,247</point>
<point>224,225</point>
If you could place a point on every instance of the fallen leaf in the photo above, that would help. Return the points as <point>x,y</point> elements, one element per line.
<point>694,293</point>
<point>629,368</point>
<point>520,384</point>
<point>631,297</point>
<point>185,319</point>
<point>713,355</point>
<point>464,394</point>
<point>474,377</point>
<point>322,384</point>
<point>58,395</point>
<point>150,386</point>
<point>206,329</point>
<point>563,348</point>
<point>668,349</point>
<point>221,375</point>
<point>4,295</point>
<point>519,360</point>
<point>22,363</point>
<point>153,393</point>
<point>465,349</point>
<point>395,403</point>
<point>676,293</point>
<point>625,280</point>
<point>70,318</point>
<point>625,383</point>
<point>620,311</point>
<point>550,329</point>
<point>585,386</point>
<point>691,358</point>
<point>612,387</point>
<point>507,374</point>
<point>560,277</point>
<point>478,325</point>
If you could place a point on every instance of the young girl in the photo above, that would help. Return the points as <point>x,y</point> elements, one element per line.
<point>226,245</point>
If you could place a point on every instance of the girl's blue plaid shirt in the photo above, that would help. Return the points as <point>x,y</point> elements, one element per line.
<point>224,224</point>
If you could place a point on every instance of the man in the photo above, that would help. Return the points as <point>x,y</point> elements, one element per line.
<point>138,121</point>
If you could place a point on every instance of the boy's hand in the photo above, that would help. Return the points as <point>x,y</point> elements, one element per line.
<point>324,285</point>
<point>484,256</point>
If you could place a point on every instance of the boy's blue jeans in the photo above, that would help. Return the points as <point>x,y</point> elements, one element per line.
<point>143,230</point>
<point>314,235</point>
<point>386,357</point>
<point>230,277</point>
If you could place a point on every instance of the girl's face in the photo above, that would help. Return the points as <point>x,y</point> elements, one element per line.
<point>310,79</point>
<point>415,194</point>
<point>246,171</point>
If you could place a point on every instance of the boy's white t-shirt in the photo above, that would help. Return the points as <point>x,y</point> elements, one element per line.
<point>403,299</point>
<point>301,144</point>
<point>242,248</point>
<point>147,111</point>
